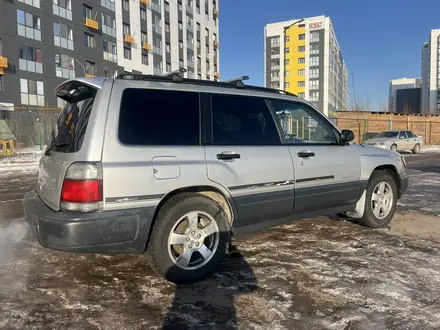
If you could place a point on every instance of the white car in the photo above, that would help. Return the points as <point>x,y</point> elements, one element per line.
<point>397,141</point>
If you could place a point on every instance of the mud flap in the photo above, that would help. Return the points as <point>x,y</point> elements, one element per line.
<point>358,212</point>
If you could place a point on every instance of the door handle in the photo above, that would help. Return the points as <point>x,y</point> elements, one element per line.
<point>228,156</point>
<point>306,153</point>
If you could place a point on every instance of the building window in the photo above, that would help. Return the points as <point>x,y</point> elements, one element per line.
<point>286,73</point>
<point>64,66</point>
<point>32,92</point>
<point>28,25</point>
<point>33,3</point>
<point>143,14</point>
<point>314,61</point>
<point>110,51</point>
<point>145,59</point>
<point>301,83</point>
<point>89,40</point>
<point>31,59</point>
<point>301,36</point>
<point>91,68</point>
<point>286,85</point>
<point>63,36</point>
<point>167,27</point>
<point>302,94</point>
<point>144,37</point>
<point>126,29</point>
<point>314,96</point>
<point>314,84</point>
<point>286,62</point>
<point>314,73</point>
<point>287,50</point>
<point>87,12</point>
<point>314,36</point>
<point>301,72</point>
<point>168,47</point>
<point>127,53</point>
<point>62,8</point>
<point>301,60</point>
<point>286,38</point>
<point>167,7</point>
<point>168,67</point>
<point>108,25</point>
<point>301,49</point>
<point>109,4</point>
<point>109,73</point>
<point>1,84</point>
<point>314,49</point>
<point>275,42</point>
<point>126,5</point>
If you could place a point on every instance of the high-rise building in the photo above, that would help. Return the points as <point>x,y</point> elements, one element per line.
<point>303,56</point>
<point>431,74</point>
<point>399,84</point>
<point>43,43</point>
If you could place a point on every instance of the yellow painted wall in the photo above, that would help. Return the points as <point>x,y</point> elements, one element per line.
<point>293,33</point>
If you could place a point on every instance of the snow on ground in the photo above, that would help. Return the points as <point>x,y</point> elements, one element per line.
<point>23,157</point>
<point>423,193</point>
<point>433,148</point>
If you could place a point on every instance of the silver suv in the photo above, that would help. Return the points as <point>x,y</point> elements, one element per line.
<point>174,167</point>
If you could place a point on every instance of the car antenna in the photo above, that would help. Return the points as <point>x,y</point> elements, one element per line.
<point>237,82</point>
<point>176,75</point>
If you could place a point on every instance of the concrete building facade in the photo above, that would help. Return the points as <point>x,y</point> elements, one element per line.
<point>398,84</point>
<point>43,43</point>
<point>431,74</point>
<point>303,56</point>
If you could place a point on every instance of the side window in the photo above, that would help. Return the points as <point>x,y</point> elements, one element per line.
<point>159,117</point>
<point>301,124</point>
<point>402,135</point>
<point>410,134</point>
<point>242,121</point>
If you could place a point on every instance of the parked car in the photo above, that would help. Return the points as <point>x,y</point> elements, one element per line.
<point>397,141</point>
<point>173,167</point>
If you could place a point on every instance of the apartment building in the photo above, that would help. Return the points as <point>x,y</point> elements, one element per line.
<point>303,56</point>
<point>400,84</point>
<point>43,43</point>
<point>431,74</point>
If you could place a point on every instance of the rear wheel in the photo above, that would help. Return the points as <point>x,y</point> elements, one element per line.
<point>394,147</point>
<point>416,149</point>
<point>381,200</point>
<point>189,239</point>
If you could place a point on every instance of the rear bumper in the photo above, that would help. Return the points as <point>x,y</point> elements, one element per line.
<point>403,186</point>
<point>124,231</point>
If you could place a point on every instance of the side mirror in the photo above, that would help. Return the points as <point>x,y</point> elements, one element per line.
<point>347,136</point>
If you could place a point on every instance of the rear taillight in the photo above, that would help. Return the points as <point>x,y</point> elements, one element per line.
<point>82,188</point>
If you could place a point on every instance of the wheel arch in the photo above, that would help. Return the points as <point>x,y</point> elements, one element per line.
<point>390,169</point>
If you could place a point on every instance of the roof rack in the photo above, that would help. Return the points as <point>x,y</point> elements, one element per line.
<point>177,77</point>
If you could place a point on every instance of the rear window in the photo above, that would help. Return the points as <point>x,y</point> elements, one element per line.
<point>71,126</point>
<point>159,117</point>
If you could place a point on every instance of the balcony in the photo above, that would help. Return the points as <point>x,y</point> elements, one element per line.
<point>145,2</point>
<point>190,28</point>
<point>92,24</point>
<point>216,44</point>
<point>157,29</point>
<point>3,62</point>
<point>130,39</point>
<point>146,46</point>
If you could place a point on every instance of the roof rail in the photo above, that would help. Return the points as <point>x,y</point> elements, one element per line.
<point>177,75</point>
<point>177,78</point>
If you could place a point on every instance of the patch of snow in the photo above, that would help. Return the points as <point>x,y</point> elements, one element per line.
<point>433,148</point>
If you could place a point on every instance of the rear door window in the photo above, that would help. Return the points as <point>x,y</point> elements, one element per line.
<point>402,135</point>
<point>159,117</point>
<point>241,120</point>
<point>72,123</point>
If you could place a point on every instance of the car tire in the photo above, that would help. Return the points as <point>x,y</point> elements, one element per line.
<point>416,149</point>
<point>376,201</point>
<point>168,259</point>
<point>394,147</point>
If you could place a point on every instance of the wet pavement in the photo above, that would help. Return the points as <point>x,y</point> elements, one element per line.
<point>320,274</point>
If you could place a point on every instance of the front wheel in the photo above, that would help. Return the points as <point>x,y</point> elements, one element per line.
<point>189,239</point>
<point>416,149</point>
<point>381,200</point>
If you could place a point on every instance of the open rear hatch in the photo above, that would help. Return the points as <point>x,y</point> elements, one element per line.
<point>67,138</point>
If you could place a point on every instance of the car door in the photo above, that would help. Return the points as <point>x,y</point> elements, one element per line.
<point>412,139</point>
<point>402,141</point>
<point>245,155</point>
<point>327,173</point>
